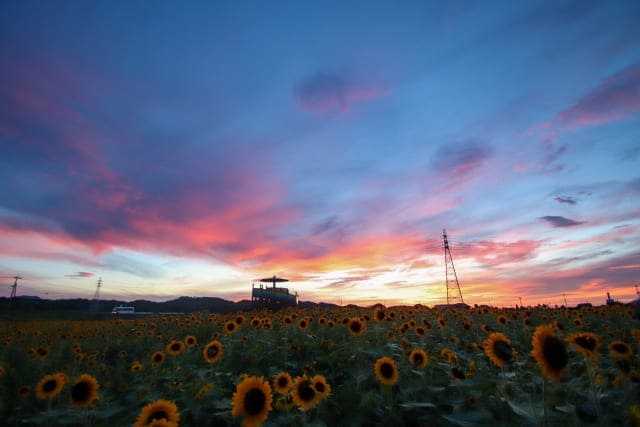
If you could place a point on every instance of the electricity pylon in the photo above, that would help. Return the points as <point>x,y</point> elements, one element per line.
<point>454,294</point>
<point>14,287</point>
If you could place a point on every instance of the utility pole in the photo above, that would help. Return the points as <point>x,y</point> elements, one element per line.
<point>565,299</point>
<point>14,287</point>
<point>454,294</point>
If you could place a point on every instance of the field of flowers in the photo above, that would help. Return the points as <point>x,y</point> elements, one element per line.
<point>341,367</point>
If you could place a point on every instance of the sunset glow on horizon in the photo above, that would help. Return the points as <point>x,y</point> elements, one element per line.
<point>190,150</point>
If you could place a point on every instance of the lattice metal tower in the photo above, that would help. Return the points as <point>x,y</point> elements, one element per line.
<point>454,294</point>
<point>96,296</point>
<point>14,287</point>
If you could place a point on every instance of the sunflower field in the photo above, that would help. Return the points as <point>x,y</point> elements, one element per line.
<point>348,366</point>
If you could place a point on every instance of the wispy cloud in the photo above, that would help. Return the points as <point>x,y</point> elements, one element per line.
<point>461,158</point>
<point>566,200</point>
<point>560,221</point>
<point>616,98</point>
<point>80,275</point>
<point>330,92</point>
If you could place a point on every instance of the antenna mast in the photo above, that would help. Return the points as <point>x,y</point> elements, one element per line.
<point>14,287</point>
<point>454,294</point>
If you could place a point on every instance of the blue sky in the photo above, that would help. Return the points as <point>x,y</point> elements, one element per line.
<point>188,149</point>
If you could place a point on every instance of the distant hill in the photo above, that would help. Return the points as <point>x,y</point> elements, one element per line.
<point>179,305</point>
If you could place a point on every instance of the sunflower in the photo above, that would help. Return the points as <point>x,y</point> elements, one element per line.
<point>620,349</point>
<point>458,374</point>
<point>550,352</point>
<point>502,320</point>
<point>159,413</point>
<point>84,391</point>
<point>50,386</point>
<point>253,400</point>
<point>42,352</point>
<point>303,324</point>
<point>498,348</point>
<point>175,347</point>
<point>239,319</point>
<point>136,366</point>
<point>230,327</point>
<point>586,343</point>
<point>320,385</point>
<point>212,351</point>
<point>386,371</point>
<point>157,357</point>
<point>282,382</point>
<point>190,341</point>
<point>450,355</point>
<point>303,393</point>
<point>379,314</point>
<point>356,327</point>
<point>202,392</point>
<point>418,358</point>
<point>420,331</point>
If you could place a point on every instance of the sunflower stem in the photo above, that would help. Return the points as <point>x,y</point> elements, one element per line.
<point>544,401</point>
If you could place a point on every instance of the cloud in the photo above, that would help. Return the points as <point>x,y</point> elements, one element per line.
<point>565,200</point>
<point>616,98</point>
<point>461,158</point>
<point>329,92</point>
<point>496,253</point>
<point>80,275</point>
<point>560,221</point>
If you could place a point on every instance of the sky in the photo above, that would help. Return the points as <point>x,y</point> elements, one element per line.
<point>191,148</point>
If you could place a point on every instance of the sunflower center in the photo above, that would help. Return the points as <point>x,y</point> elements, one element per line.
<point>157,358</point>
<point>458,373</point>
<point>80,392</point>
<point>417,359</point>
<point>175,347</point>
<point>157,415</point>
<point>386,370</point>
<point>356,327</point>
<point>555,353</point>
<point>319,386</point>
<point>620,348</point>
<point>305,392</point>
<point>588,343</point>
<point>49,386</point>
<point>503,351</point>
<point>212,351</point>
<point>282,382</point>
<point>254,401</point>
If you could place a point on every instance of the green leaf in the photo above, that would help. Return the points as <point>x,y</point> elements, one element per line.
<point>414,405</point>
<point>530,412</point>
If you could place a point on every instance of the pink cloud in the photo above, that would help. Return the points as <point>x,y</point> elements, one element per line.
<point>327,92</point>
<point>617,98</point>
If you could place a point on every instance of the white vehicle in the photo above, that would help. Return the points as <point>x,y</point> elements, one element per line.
<point>122,310</point>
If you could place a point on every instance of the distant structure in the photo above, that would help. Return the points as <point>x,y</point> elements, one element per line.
<point>14,287</point>
<point>610,300</point>
<point>96,297</point>
<point>271,296</point>
<point>454,294</point>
